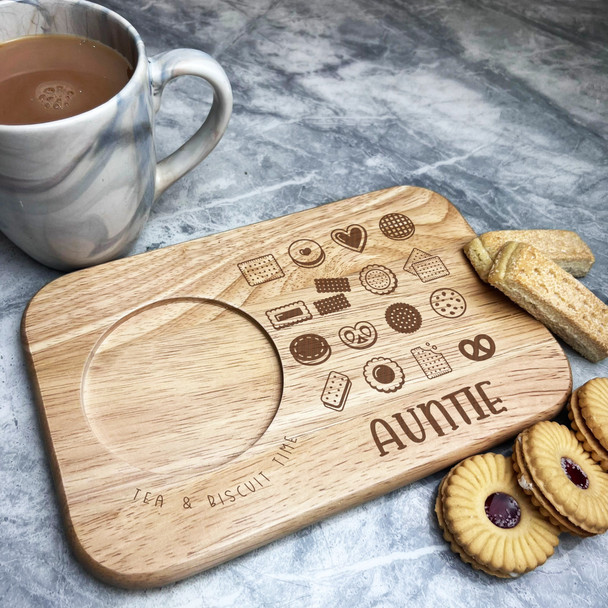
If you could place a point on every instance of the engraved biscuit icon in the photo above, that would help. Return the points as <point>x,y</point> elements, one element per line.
<point>430,269</point>
<point>416,255</point>
<point>261,270</point>
<point>383,374</point>
<point>448,303</point>
<point>336,390</point>
<point>480,348</point>
<point>431,362</point>
<point>403,318</point>
<point>396,226</point>
<point>354,237</point>
<point>378,279</point>
<point>332,304</point>
<point>310,349</point>
<point>306,253</point>
<point>362,335</point>
<point>290,314</point>
<point>329,285</point>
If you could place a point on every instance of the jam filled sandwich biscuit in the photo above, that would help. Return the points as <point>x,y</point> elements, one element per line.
<point>588,413</point>
<point>564,247</point>
<point>489,521</point>
<point>562,479</point>
<point>450,539</point>
<point>547,510</point>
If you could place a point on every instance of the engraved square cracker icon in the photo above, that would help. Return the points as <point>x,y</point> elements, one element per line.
<point>425,266</point>
<point>261,270</point>
<point>430,269</point>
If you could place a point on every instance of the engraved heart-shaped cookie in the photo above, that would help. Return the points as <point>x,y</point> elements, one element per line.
<point>354,237</point>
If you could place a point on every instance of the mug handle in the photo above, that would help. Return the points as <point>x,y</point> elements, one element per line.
<point>190,62</point>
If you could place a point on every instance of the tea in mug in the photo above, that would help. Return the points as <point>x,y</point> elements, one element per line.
<point>49,77</point>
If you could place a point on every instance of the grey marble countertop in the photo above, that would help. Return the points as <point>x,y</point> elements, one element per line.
<point>501,106</point>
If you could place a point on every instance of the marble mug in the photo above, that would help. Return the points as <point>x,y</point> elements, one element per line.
<point>77,191</point>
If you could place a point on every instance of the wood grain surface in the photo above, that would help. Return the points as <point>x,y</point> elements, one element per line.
<point>202,400</point>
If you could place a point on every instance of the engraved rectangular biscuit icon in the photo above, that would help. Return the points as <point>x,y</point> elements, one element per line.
<point>430,269</point>
<point>290,314</point>
<point>336,391</point>
<point>432,363</point>
<point>261,270</point>
<point>328,285</point>
<point>331,304</point>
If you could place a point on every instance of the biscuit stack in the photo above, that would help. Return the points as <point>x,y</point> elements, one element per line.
<point>536,269</point>
<point>489,521</point>
<point>568,487</point>
<point>503,516</point>
<point>588,413</point>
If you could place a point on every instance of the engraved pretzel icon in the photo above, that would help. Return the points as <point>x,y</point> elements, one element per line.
<point>362,335</point>
<point>480,348</point>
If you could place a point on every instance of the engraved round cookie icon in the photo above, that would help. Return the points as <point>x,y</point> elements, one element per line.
<point>396,226</point>
<point>383,374</point>
<point>403,318</point>
<point>448,303</point>
<point>378,279</point>
<point>306,253</point>
<point>310,349</point>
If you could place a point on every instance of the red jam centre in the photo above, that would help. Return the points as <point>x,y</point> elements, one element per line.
<point>502,510</point>
<point>575,474</point>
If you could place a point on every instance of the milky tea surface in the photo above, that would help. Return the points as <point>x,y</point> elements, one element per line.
<point>49,77</point>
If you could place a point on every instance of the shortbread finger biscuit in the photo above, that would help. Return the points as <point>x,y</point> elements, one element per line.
<point>593,402</point>
<point>566,475</point>
<point>492,520</point>
<point>554,297</point>
<point>564,247</point>
<point>524,479</point>
<point>584,433</point>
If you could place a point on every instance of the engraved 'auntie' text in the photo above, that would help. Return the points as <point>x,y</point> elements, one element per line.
<point>439,416</point>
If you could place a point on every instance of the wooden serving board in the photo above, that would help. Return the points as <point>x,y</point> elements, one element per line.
<point>202,400</point>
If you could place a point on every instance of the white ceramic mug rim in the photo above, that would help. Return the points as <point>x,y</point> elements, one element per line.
<point>140,66</point>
